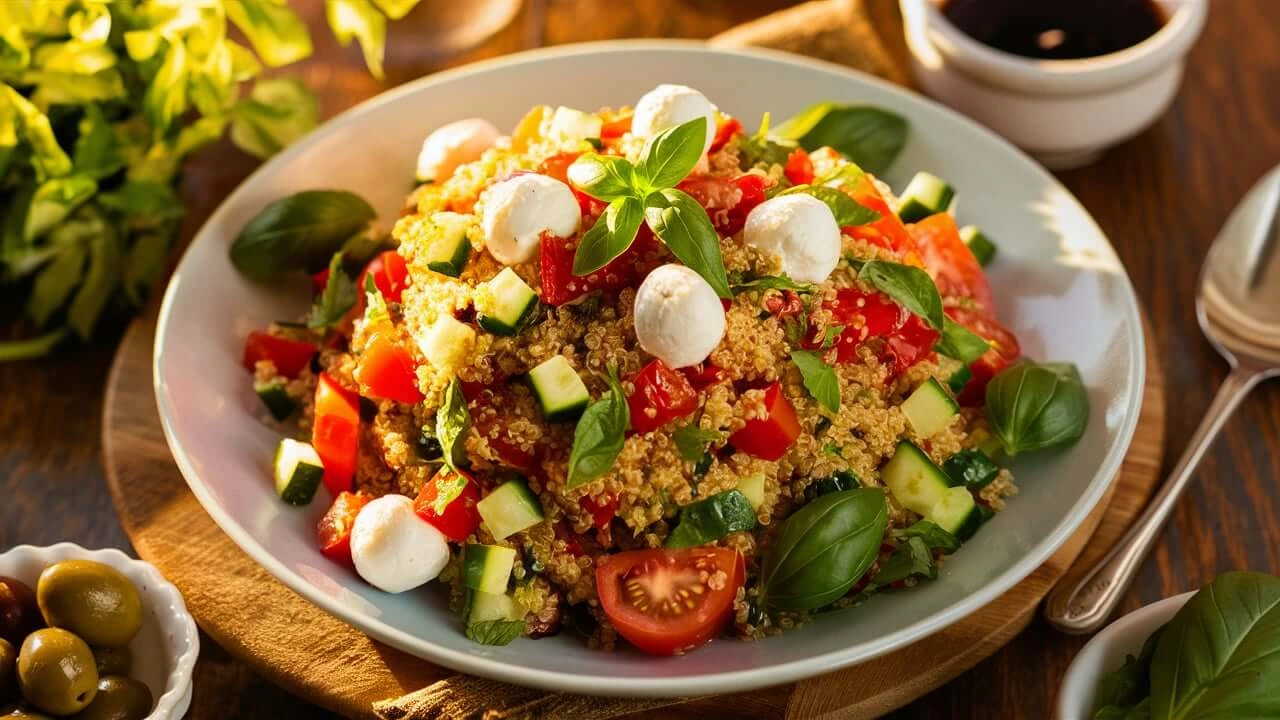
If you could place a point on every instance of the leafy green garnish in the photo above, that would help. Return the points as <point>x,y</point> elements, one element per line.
<point>709,520</point>
<point>934,537</point>
<point>960,342</point>
<point>683,225</point>
<point>910,287</point>
<point>870,137</point>
<point>692,441</point>
<point>769,282</point>
<point>494,632</point>
<point>971,468</point>
<point>275,114</point>
<point>360,20</point>
<point>599,435</point>
<point>819,378</point>
<point>300,232</point>
<point>337,298</point>
<point>911,558</point>
<point>670,155</point>
<point>609,237</point>
<point>452,422</point>
<point>1034,406</point>
<point>847,211</point>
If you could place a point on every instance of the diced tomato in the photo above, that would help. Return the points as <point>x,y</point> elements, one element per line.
<point>1004,351</point>
<point>448,502</point>
<point>724,133</point>
<point>390,275</point>
<point>799,168</point>
<point>602,510</point>
<point>956,271</point>
<point>493,427</point>
<point>557,166</point>
<point>727,202</point>
<point>616,125</point>
<point>560,285</point>
<point>289,356</point>
<point>661,395</point>
<point>335,432</point>
<point>387,371</point>
<point>866,315</point>
<point>703,375</point>
<point>769,437</point>
<point>783,304</point>
<point>664,601</point>
<point>334,530</point>
<point>888,231</point>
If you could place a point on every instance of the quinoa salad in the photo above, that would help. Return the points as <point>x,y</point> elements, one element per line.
<point>646,376</point>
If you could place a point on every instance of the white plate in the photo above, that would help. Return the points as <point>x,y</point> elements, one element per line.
<point>1058,281</point>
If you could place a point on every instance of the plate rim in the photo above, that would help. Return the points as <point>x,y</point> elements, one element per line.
<point>666,686</point>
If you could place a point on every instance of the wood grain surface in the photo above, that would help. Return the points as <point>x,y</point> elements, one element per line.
<point>1161,198</point>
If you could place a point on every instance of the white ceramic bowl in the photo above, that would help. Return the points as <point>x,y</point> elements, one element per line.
<point>1064,112</point>
<point>164,650</point>
<point>1060,285</point>
<point>1106,653</point>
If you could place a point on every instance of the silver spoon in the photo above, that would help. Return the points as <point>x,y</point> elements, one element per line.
<point>1239,310</point>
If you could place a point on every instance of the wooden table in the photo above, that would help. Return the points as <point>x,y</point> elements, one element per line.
<point>1160,198</point>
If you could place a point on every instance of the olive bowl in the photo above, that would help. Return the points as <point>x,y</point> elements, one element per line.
<point>166,647</point>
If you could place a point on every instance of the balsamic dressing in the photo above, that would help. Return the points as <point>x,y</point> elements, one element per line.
<point>1056,29</point>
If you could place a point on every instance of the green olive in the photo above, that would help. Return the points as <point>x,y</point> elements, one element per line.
<point>8,660</point>
<point>92,600</point>
<point>113,661</point>
<point>18,612</point>
<point>118,698</point>
<point>56,671</point>
<point>21,713</point>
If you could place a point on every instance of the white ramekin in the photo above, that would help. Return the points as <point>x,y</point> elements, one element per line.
<point>1106,652</point>
<point>1063,112</point>
<point>165,649</point>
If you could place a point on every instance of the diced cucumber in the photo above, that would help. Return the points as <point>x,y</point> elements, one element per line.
<point>487,568</point>
<point>447,343</point>
<point>914,480</point>
<point>926,194</point>
<point>959,379</point>
<point>449,247</point>
<point>560,392</point>
<point>297,470</point>
<point>509,304</point>
<point>709,520</point>
<point>278,401</point>
<point>930,408</point>
<point>752,488</point>
<point>841,481</point>
<point>509,509</point>
<point>980,245</point>
<point>971,468</point>
<point>487,606</point>
<point>574,126</point>
<point>957,513</point>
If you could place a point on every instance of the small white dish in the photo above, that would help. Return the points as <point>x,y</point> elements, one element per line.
<point>1063,112</point>
<point>1106,653</point>
<point>165,649</point>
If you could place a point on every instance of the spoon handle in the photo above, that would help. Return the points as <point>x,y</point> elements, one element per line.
<point>1084,607</point>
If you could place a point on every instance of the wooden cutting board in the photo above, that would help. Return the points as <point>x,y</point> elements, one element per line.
<point>319,658</point>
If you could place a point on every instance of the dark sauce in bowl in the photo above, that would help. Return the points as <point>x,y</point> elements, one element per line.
<point>1056,29</point>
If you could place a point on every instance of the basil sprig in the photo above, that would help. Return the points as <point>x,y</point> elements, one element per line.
<point>337,298</point>
<point>960,342</point>
<point>870,137</point>
<point>452,422</point>
<point>1033,406</point>
<point>598,438</point>
<point>819,378</point>
<point>646,191</point>
<point>847,211</point>
<point>909,286</point>
<point>300,232</point>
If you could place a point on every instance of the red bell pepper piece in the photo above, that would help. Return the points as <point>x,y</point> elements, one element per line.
<point>335,433</point>
<point>769,437</point>
<point>289,356</point>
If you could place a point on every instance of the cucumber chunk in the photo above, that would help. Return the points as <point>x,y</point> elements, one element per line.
<point>560,392</point>
<point>971,468</point>
<point>752,488</point>
<point>486,606</point>
<point>959,379</point>
<point>297,469</point>
<point>487,568</point>
<point>980,245</point>
<point>449,248</point>
<point>925,195</point>
<point>914,480</point>
<point>930,408</point>
<point>508,306</point>
<point>709,520</point>
<point>277,400</point>
<point>957,513</point>
<point>510,508</point>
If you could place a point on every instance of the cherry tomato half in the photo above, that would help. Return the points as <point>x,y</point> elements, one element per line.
<point>335,433</point>
<point>887,231</point>
<point>387,371</point>
<point>659,600</point>
<point>725,131</point>
<point>289,356</point>
<point>1004,351</point>
<point>769,437</point>
<point>956,271</point>
<point>448,502</point>
<point>661,395</point>
<point>334,530</point>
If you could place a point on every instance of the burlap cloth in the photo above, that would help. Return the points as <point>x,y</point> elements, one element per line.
<point>863,34</point>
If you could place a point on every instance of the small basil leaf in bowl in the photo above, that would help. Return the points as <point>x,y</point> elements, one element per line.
<point>300,232</point>
<point>1034,406</point>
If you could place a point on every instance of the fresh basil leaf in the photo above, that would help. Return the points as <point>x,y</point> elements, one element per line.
<point>708,520</point>
<point>300,232</point>
<point>824,548</point>
<point>359,19</point>
<point>494,632</point>
<point>1220,655</point>
<point>972,468</point>
<point>395,9</point>
<point>612,234</point>
<point>912,558</point>
<point>683,225</point>
<point>604,177</point>
<point>871,137</point>
<point>276,113</point>
<point>692,441</point>
<point>960,342</point>
<point>1125,693</point>
<point>97,152</point>
<point>845,176</point>
<point>819,378</point>
<point>143,204</point>
<point>1034,406</point>
<point>847,211</point>
<point>453,419</point>
<point>933,536</point>
<point>40,346</point>
<point>166,96</point>
<point>91,24</point>
<point>47,156</point>
<point>336,300</point>
<point>101,278</point>
<point>54,200</point>
<point>770,282</point>
<point>55,282</point>
<point>15,53</point>
<point>910,287</point>
<point>669,156</point>
<point>276,32</point>
<point>599,436</point>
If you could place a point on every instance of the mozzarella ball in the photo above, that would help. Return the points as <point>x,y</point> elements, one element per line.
<point>679,318</point>
<point>517,211</point>
<point>670,105</point>
<point>454,144</point>
<point>395,550</point>
<point>799,230</point>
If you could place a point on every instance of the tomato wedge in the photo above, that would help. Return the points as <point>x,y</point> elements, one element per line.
<point>387,371</point>
<point>335,433</point>
<point>659,600</point>
<point>799,168</point>
<point>448,502</point>
<point>769,437</point>
<point>1004,351</point>
<point>289,356</point>
<point>956,271</point>
<point>390,275</point>
<point>661,395</point>
<point>887,231</point>
<point>334,530</point>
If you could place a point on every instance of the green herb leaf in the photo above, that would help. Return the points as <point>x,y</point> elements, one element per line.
<point>870,137</point>
<point>276,113</point>
<point>971,468</point>
<point>683,225</point>
<point>47,156</point>
<point>166,96</point>
<point>494,632</point>
<point>669,156</point>
<point>375,305</point>
<point>143,204</point>
<point>959,342</point>
<point>692,441</point>
<point>300,232</point>
<point>54,200</point>
<point>934,537</point>
<point>11,350</point>
<point>819,378</point>
<point>102,277</point>
<point>359,19</point>
<point>599,436</point>
<point>911,558</point>
<point>97,152</point>
<point>452,422</point>
<point>145,262</point>
<point>612,234</point>
<point>910,287</point>
<point>770,282</point>
<point>336,300</point>
<point>847,211</point>
<point>604,177</point>
<point>276,32</point>
<point>845,176</point>
<point>1035,406</point>
<point>55,282</point>
<point>709,520</point>
<point>1124,693</point>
